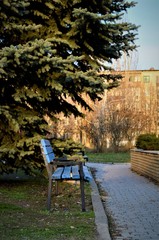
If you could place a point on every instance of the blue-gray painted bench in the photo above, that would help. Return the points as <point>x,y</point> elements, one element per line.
<point>60,169</point>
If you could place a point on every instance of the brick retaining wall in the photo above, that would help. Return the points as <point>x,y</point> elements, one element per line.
<point>145,163</point>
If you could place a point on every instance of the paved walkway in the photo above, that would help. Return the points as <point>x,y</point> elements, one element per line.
<point>132,201</point>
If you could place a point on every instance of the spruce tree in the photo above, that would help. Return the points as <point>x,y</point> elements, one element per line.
<point>51,54</point>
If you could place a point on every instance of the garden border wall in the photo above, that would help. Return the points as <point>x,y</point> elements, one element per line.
<point>145,163</point>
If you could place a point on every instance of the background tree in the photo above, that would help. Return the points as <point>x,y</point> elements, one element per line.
<point>123,114</point>
<point>96,127</point>
<point>52,51</point>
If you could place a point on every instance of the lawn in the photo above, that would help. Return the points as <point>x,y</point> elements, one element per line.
<point>23,211</point>
<point>110,157</point>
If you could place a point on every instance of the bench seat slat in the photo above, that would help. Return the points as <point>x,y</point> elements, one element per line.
<point>66,173</point>
<point>57,173</point>
<point>75,172</point>
<point>87,175</point>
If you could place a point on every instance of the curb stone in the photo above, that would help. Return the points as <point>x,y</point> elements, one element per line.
<point>100,216</point>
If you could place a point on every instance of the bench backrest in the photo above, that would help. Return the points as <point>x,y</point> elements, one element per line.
<point>48,155</point>
<point>47,150</point>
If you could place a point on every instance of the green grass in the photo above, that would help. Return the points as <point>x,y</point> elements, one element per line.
<point>23,212</point>
<point>110,157</point>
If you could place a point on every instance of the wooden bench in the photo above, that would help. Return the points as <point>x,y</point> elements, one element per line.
<point>60,169</point>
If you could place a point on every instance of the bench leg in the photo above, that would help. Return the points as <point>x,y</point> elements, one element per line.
<point>82,187</point>
<point>82,195</point>
<point>56,187</point>
<point>49,194</point>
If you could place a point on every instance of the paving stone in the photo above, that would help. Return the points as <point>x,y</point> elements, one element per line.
<point>132,200</point>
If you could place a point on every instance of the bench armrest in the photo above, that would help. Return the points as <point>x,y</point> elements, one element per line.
<point>65,163</point>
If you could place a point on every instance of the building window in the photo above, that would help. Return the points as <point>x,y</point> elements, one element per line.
<point>134,78</point>
<point>146,79</point>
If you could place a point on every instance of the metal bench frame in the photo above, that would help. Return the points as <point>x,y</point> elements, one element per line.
<point>60,169</point>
